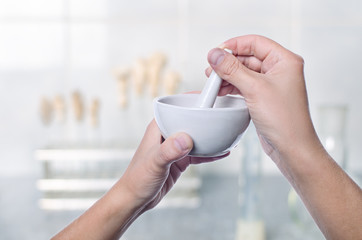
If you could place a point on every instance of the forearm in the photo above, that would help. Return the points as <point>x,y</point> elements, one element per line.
<point>271,79</point>
<point>106,219</point>
<point>331,196</point>
<point>150,175</point>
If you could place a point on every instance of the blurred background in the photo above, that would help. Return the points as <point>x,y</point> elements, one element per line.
<point>77,79</point>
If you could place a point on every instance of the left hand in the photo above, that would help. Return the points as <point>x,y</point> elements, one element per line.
<point>153,171</point>
<point>157,165</point>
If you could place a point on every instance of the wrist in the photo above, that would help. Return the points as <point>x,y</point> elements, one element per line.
<point>122,201</point>
<point>119,209</point>
<point>108,218</point>
<point>301,161</point>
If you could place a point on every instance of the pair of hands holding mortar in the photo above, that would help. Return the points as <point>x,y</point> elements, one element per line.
<point>271,81</point>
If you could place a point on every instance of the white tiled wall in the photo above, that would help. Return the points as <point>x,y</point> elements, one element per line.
<point>48,48</point>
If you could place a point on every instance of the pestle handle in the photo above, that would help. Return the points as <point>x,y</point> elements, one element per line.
<point>211,89</point>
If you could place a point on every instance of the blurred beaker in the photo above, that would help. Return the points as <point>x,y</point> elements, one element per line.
<point>332,131</point>
<point>250,224</point>
<point>303,225</point>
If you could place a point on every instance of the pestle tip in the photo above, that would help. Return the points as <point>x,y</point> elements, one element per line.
<point>209,93</point>
<point>228,50</point>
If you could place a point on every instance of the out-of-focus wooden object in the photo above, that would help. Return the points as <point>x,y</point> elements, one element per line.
<point>78,106</point>
<point>46,110</point>
<point>139,73</point>
<point>154,67</point>
<point>171,82</point>
<point>122,74</point>
<point>59,109</point>
<point>94,112</point>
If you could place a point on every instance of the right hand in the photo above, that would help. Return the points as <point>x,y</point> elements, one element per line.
<point>271,80</point>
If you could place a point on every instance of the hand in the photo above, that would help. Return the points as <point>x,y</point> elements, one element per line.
<point>157,165</point>
<point>272,82</point>
<point>153,171</point>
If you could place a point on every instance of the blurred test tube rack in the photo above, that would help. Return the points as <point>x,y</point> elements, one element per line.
<point>73,178</point>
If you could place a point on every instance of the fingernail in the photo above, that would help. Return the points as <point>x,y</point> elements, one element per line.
<point>216,56</point>
<point>181,143</point>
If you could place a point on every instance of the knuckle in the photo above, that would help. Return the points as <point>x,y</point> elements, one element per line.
<point>151,125</point>
<point>255,88</point>
<point>231,68</point>
<point>298,61</point>
<point>168,153</point>
<point>164,154</point>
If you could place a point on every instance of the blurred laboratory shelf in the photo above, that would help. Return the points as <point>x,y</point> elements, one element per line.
<point>74,177</point>
<point>84,154</point>
<point>214,217</point>
<point>183,195</point>
<point>82,185</point>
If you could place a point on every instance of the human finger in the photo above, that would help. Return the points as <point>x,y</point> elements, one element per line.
<point>251,45</point>
<point>183,163</point>
<point>251,62</point>
<point>198,160</point>
<point>191,92</point>
<point>152,132</point>
<point>229,68</point>
<point>173,148</point>
<point>226,87</point>
<point>229,89</point>
<point>208,71</point>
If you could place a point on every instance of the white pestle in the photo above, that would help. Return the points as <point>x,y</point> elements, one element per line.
<point>209,92</point>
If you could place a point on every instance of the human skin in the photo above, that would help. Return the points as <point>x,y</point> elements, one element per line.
<point>154,169</point>
<point>271,79</point>
<point>272,82</point>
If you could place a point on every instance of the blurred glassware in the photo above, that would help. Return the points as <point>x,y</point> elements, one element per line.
<point>250,224</point>
<point>303,225</point>
<point>331,129</point>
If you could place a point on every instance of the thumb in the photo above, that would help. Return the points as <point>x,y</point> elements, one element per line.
<point>229,68</point>
<point>173,148</point>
